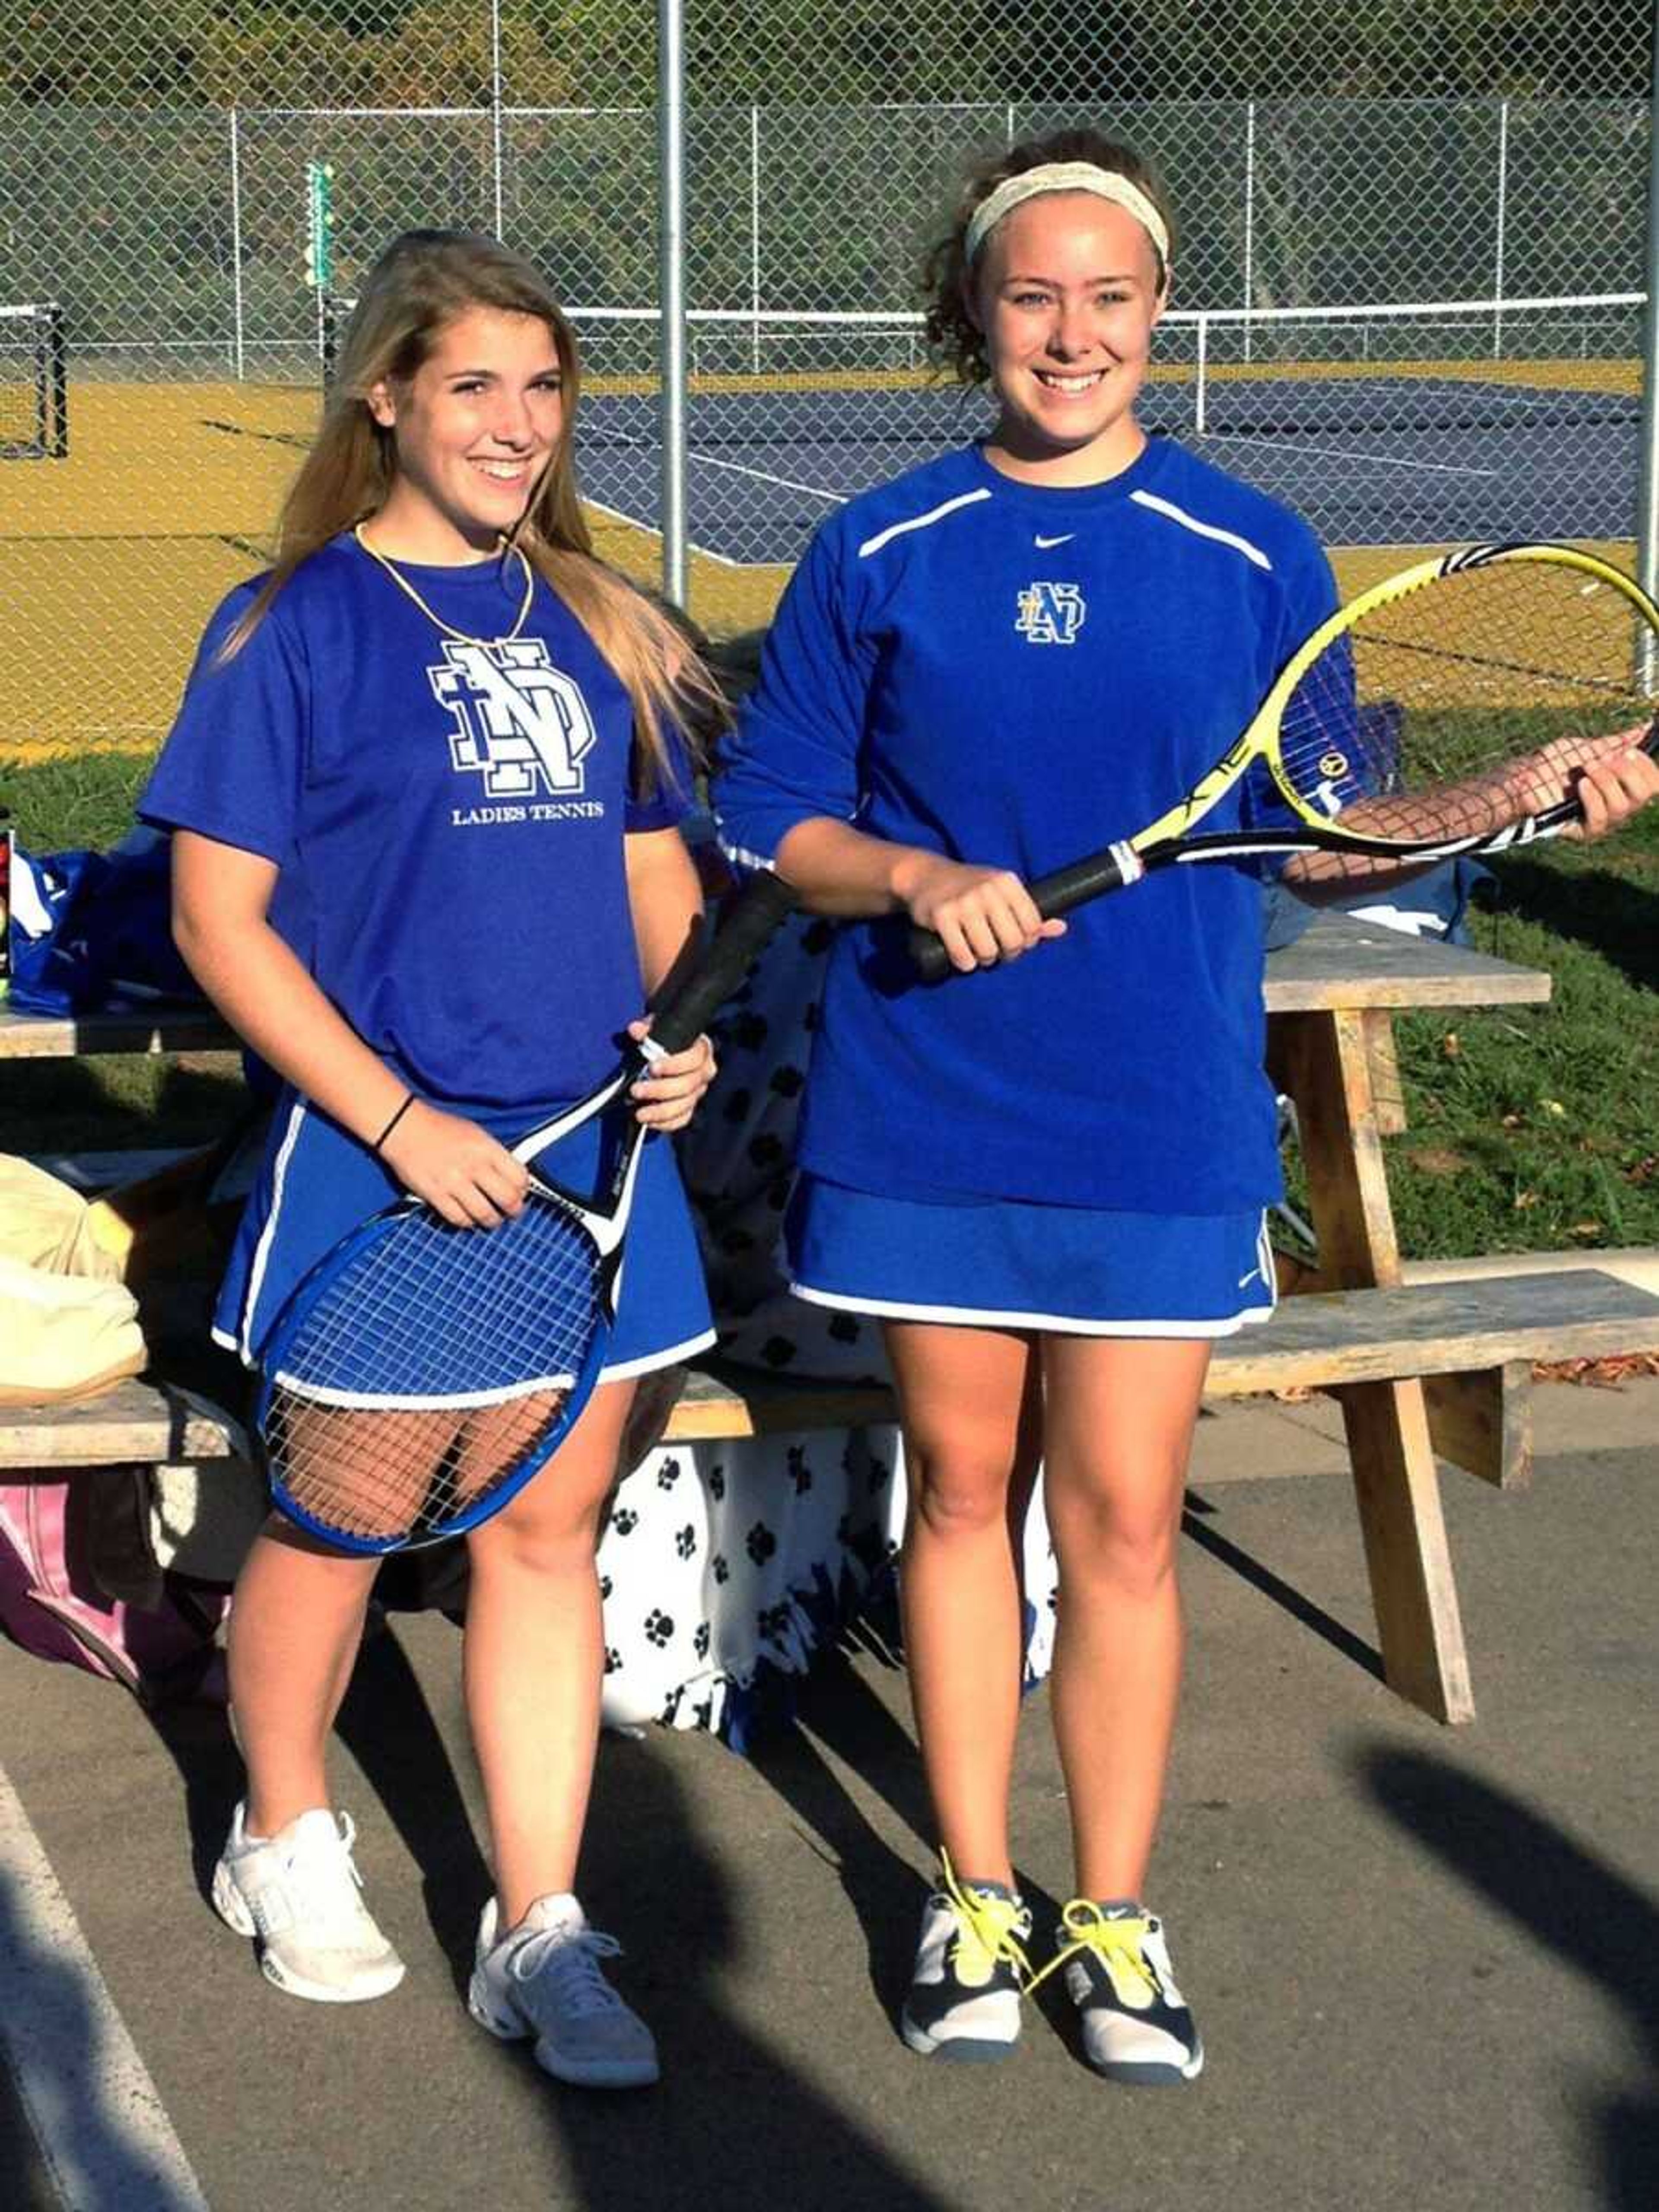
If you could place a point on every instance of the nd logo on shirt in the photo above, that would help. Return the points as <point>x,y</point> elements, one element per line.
<point>1051,614</point>
<point>519,722</point>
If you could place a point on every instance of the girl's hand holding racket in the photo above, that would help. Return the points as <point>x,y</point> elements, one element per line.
<point>459,1170</point>
<point>669,1094</point>
<point>980,915</point>
<point>1609,782</point>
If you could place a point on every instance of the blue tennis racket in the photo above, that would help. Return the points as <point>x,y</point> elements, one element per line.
<point>420,1374</point>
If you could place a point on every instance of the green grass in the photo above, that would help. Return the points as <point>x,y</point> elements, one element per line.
<point>1530,1129</point>
<point>1534,1129</point>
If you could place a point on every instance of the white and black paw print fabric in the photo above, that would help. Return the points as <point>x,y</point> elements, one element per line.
<point>727,1565</point>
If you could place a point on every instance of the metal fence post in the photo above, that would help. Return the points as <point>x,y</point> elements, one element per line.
<point>1249,300</point>
<point>1647,511</point>
<point>236,244</point>
<point>755,232</point>
<point>496,126</point>
<point>671,287</point>
<point>1503,226</point>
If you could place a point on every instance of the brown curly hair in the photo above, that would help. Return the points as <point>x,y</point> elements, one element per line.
<point>951,331</point>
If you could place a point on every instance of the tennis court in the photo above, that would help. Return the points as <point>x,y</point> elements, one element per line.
<point>130,504</point>
<point>1399,427</point>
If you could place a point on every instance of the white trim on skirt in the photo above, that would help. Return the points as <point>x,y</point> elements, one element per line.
<point>1066,1324</point>
<point>624,1371</point>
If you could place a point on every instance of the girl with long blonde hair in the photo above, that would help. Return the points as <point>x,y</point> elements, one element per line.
<point>424,788</point>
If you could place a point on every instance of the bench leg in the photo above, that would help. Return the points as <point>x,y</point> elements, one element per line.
<point>1325,1061</point>
<point>1483,1422</point>
<point>1398,1493</point>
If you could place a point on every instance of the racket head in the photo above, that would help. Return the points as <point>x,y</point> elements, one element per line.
<point>1444,682</point>
<point>420,1374</point>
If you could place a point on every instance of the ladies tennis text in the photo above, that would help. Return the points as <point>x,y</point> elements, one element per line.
<point>545,810</point>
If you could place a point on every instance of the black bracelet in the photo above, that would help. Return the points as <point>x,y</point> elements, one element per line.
<point>408,1100</point>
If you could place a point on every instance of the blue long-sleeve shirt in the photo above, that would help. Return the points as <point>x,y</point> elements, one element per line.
<point>1013,675</point>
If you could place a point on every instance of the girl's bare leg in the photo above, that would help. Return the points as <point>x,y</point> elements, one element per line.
<point>1119,1417</point>
<point>294,1629</point>
<point>534,1658</point>
<point>970,1415</point>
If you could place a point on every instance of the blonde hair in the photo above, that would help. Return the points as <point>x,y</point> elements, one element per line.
<point>423,282</point>
<point>947,274</point>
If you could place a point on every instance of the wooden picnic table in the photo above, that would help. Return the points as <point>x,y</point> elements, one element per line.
<point>1331,996</point>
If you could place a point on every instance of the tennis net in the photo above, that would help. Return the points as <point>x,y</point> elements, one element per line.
<point>34,384</point>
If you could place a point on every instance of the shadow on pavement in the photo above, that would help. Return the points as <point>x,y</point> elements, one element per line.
<point>1300,1608</point>
<point>1566,1900</point>
<point>731,2122</point>
<point>838,1712</point>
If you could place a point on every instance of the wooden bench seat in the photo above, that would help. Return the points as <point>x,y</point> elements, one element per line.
<point>138,1422</point>
<point>1473,1341</point>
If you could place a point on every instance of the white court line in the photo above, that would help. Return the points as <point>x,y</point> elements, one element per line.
<point>765,476</point>
<point>102,2131</point>
<point>651,529</point>
<point>1344,453</point>
<point>711,461</point>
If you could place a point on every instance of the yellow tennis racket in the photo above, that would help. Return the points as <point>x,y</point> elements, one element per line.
<point>1444,710</point>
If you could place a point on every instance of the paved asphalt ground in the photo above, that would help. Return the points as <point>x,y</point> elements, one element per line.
<point>1426,1961</point>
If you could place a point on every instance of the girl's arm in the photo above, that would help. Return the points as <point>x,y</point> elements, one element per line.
<point>221,897</point>
<point>665,900</point>
<point>983,915</point>
<point>1611,778</point>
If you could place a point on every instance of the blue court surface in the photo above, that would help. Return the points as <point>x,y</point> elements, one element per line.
<point>1405,460</point>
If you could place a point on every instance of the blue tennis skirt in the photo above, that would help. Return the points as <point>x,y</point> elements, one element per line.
<point>316,1182</point>
<point>1011,1264</point>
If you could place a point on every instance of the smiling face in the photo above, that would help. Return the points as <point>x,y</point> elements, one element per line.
<point>474,428</point>
<point>1066,292</point>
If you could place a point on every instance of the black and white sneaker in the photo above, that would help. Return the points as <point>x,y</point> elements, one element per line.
<point>1136,2025</point>
<point>970,1968</point>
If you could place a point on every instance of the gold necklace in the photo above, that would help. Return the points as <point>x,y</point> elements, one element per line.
<point>432,616</point>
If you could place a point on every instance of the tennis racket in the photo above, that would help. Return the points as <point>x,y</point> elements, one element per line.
<point>1433,715</point>
<point>420,1374</point>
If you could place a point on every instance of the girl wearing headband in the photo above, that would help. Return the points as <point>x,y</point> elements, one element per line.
<point>1049,1183</point>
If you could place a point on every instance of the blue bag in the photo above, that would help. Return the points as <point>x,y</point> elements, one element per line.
<point>93,930</point>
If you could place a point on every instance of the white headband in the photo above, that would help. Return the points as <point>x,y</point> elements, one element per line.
<point>1067,177</point>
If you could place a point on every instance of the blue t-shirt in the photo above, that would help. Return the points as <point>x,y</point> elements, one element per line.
<point>447,819</point>
<point>1014,675</point>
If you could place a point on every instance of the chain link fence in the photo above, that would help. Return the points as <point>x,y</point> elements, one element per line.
<point>1409,297</point>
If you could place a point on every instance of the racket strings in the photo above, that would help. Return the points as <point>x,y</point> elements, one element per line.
<point>384,1476</point>
<point>430,1366</point>
<point>1457,683</point>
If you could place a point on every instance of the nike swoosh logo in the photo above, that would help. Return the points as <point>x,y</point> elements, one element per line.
<point>1045,543</point>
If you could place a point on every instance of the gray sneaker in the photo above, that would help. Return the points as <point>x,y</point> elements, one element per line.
<point>296,1891</point>
<point>544,1979</point>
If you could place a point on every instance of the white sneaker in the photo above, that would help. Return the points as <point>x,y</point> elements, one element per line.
<point>296,1891</point>
<point>963,2000</point>
<point>544,1979</point>
<point>1136,2026</point>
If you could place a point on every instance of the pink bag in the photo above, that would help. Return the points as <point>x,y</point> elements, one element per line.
<point>58,1535</point>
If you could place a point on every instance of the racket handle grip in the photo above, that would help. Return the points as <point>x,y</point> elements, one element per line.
<point>750,924</point>
<point>1107,870</point>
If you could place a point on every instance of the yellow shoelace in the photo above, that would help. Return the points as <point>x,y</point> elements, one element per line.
<point>986,1928</point>
<point>1115,1942</point>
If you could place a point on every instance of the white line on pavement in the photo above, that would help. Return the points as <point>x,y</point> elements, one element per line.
<point>104,2136</point>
